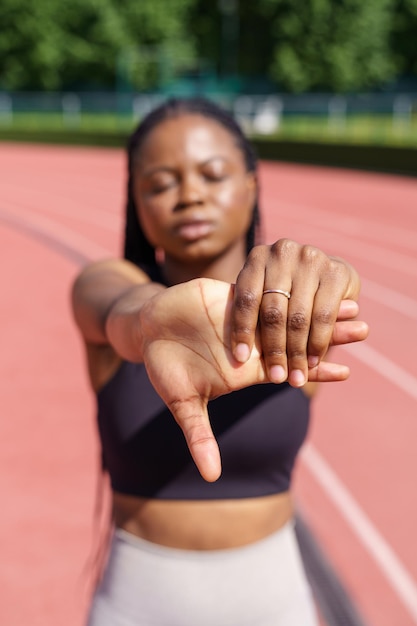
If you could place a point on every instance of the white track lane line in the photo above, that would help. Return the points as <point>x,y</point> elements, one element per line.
<point>66,207</point>
<point>390,298</point>
<point>350,226</point>
<point>381,552</point>
<point>53,229</point>
<point>386,368</point>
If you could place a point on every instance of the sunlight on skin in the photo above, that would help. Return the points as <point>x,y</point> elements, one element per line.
<point>189,359</point>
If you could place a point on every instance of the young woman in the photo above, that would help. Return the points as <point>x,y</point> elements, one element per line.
<point>203,349</point>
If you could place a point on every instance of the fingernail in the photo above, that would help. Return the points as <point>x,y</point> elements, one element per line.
<point>277,374</point>
<point>242,352</point>
<point>297,378</point>
<point>313,361</point>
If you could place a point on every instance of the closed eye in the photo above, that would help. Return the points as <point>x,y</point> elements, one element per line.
<point>212,177</point>
<point>160,185</point>
<point>161,189</point>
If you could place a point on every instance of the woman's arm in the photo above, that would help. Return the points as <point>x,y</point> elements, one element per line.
<point>183,335</point>
<point>103,286</point>
<point>185,342</point>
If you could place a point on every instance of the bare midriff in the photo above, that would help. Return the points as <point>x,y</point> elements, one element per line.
<point>202,524</point>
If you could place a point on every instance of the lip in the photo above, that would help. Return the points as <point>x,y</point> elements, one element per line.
<point>192,230</point>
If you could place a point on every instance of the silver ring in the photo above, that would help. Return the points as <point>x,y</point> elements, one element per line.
<point>282,291</point>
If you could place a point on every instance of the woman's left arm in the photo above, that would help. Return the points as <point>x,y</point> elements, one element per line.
<point>295,294</point>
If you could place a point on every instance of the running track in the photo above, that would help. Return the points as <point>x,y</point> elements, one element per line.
<point>356,480</point>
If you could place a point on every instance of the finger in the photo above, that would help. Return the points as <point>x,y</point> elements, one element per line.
<point>326,372</point>
<point>349,332</point>
<point>277,304</point>
<point>323,319</point>
<point>192,417</point>
<point>348,310</point>
<point>246,302</point>
<point>299,321</point>
<point>327,307</point>
<point>273,329</point>
<point>344,332</point>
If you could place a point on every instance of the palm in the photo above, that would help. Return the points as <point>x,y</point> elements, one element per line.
<point>188,353</point>
<point>186,350</point>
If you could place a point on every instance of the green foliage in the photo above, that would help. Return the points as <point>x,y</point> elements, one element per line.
<point>53,45</point>
<point>301,45</point>
<point>311,45</point>
<point>339,46</point>
<point>404,36</point>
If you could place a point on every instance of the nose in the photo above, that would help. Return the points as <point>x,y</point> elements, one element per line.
<point>191,192</point>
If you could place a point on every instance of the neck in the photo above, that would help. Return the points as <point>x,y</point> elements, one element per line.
<point>225,268</point>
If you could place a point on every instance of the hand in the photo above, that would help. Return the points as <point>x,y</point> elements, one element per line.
<point>185,343</point>
<point>295,333</point>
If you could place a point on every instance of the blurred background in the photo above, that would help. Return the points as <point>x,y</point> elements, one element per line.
<point>315,83</point>
<point>298,70</point>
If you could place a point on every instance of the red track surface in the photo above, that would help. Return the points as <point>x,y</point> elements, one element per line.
<point>356,480</point>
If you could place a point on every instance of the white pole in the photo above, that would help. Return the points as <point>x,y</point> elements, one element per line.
<point>6,109</point>
<point>71,109</point>
<point>401,112</point>
<point>337,112</point>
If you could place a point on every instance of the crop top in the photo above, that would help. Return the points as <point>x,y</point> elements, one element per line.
<point>259,430</point>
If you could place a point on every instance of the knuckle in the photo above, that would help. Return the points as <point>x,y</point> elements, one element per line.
<point>296,355</point>
<point>298,321</point>
<point>243,333</point>
<point>339,271</point>
<point>272,316</point>
<point>245,301</point>
<point>312,255</point>
<point>323,317</point>
<point>336,273</point>
<point>283,247</point>
<point>256,256</point>
<point>274,352</point>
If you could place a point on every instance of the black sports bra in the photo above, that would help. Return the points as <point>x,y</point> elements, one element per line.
<point>259,430</point>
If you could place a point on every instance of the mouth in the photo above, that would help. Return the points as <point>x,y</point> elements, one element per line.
<point>194,230</point>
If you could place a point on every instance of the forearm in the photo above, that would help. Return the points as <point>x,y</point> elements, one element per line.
<point>122,328</point>
<point>98,289</point>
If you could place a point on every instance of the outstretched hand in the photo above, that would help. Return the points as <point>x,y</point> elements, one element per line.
<point>186,347</point>
<point>296,332</point>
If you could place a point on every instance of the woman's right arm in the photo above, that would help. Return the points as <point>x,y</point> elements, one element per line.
<point>182,334</point>
<point>105,297</point>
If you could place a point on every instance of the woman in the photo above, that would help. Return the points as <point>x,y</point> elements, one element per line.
<point>197,315</point>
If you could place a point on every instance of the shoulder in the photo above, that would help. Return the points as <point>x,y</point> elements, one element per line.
<point>94,291</point>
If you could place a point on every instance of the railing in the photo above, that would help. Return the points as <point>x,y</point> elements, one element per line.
<point>392,116</point>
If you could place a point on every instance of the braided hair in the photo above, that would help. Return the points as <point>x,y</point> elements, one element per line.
<point>137,248</point>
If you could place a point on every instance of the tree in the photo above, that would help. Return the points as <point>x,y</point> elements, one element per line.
<point>404,37</point>
<point>56,45</point>
<point>321,44</point>
<point>300,45</point>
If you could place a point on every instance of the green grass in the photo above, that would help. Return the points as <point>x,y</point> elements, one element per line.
<point>360,129</point>
<point>356,130</point>
<point>87,122</point>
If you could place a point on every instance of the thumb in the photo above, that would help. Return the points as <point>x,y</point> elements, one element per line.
<point>192,417</point>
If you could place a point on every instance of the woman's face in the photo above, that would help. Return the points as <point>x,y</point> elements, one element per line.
<point>193,194</point>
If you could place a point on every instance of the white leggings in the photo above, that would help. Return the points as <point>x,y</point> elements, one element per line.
<point>262,584</point>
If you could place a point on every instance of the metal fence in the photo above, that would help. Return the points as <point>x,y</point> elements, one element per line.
<point>262,113</point>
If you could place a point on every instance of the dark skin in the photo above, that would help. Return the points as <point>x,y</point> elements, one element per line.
<point>212,330</point>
